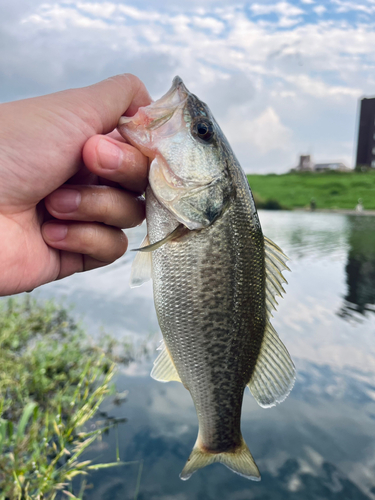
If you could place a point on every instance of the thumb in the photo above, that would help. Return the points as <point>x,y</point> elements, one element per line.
<point>102,104</point>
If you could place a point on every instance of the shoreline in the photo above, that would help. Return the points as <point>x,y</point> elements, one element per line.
<point>342,211</point>
<point>327,190</point>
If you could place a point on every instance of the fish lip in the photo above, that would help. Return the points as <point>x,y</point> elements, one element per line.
<point>177,83</point>
<point>177,80</point>
<point>178,87</point>
<point>174,99</point>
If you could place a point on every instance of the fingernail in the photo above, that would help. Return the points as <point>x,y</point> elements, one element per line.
<point>55,232</point>
<point>110,156</point>
<point>65,200</point>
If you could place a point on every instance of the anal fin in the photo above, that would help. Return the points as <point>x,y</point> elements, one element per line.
<point>164,369</point>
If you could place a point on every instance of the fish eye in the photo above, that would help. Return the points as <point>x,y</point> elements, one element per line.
<point>204,130</point>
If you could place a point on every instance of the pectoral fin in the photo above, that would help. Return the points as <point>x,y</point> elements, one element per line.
<point>180,230</point>
<point>142,267</point>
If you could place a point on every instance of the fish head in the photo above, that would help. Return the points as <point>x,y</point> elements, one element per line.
<point>189,171</point>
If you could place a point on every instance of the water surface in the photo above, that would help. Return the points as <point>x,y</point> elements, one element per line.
<point>319,443</point>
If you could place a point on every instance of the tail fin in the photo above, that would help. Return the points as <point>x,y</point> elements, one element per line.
<point>239,461</point>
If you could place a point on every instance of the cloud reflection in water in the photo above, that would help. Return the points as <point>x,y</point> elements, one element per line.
<point>318,444</point>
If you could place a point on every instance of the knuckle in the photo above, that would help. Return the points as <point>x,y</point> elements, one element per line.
<point>121,247</point>
<point>133,80</point>
<point>104,243</point>
<point>107,204</point>
<point>90,238</point>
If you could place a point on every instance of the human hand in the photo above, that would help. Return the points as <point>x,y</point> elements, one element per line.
<point>66,188</point>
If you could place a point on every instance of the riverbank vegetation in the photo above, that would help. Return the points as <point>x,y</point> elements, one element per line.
<point>330,190</point>
<point>52,381</point>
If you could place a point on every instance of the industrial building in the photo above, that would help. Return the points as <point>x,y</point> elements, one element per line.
<point>366,135</point>
<point>306,164</point>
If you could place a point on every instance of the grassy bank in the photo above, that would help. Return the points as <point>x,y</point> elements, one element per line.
<point>52,381</point>
<point>329,189</point>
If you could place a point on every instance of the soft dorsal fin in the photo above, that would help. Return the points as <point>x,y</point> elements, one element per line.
<point>274,373</point>
<point>141,267</point>
<point>164,369</point>
<point>275,263</point>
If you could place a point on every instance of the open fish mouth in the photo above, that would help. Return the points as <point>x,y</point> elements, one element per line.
<point>160,112</point>
<point>177,94</point>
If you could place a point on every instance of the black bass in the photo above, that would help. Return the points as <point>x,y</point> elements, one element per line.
<point>215,276</point>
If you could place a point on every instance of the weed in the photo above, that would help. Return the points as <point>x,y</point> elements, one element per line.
<point>52,382</point>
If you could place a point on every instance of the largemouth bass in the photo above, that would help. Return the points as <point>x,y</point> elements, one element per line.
<point>215,276</point>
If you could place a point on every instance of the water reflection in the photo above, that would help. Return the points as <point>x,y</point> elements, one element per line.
<point>360,268</point>
<point>320,443</point>
<point>293,482</point>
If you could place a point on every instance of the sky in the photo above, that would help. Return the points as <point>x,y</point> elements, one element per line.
<point>282,78</point>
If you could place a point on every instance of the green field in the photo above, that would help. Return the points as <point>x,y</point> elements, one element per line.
<point>329,189</point>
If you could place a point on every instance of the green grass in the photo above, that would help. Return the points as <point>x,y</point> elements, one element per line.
<point>329,189</point>
<point>52,381</point>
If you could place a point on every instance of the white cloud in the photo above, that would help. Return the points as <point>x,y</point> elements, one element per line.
<point>347,6</point>
<point>259,141</point>
<point>209,23</point>
<point>139,14</point>
<point>264,133</point>
<point>59,17</point>
<point>294,74</point>
<point>105,9</point>
<point>281,8</point>
<point>288,22</point>
<point>319,9</point>
<point>320,89</point>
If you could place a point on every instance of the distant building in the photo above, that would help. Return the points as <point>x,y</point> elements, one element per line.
<point>366,134</point>
<point>306,164</point>
<point>323,167</point>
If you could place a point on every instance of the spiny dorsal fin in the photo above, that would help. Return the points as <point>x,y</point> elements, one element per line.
<point>164,369</point>
<point>141,267</point>
<point>274,373</point>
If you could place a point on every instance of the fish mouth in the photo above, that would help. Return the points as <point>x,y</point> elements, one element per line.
<point>178,87</point>
<point>159,112</point>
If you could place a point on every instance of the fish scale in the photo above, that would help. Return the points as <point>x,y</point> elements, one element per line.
<point>206,274</point>
<point>215,276</point>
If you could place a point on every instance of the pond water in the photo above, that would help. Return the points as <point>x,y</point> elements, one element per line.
<point>319,443</point>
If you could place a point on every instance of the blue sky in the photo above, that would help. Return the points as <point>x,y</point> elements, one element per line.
<point>282,78</point>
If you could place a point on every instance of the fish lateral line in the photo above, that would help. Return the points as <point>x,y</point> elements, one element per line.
<point>177,233</point>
